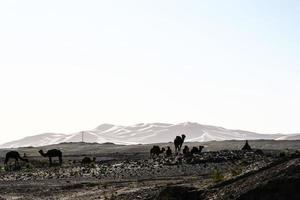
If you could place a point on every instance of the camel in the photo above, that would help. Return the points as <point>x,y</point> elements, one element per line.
<point>200,149</point>
<point>52,153</point>
<point>14,155</point>
<point>88,160</point>
<point>155,151</point>
<point>186,151</point>
<point>178,142</point>
<point>168,152</point>
<point>196,150</point>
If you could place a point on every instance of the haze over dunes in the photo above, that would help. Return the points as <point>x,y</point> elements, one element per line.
<point>146,133</point>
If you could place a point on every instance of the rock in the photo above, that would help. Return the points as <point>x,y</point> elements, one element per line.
<point>179,193</point>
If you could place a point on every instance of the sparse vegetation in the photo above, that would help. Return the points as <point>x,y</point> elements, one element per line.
<point>217,175</point>
<point>29,167</point>
<point>284,154</point>
<point>237,170</point>
<point>130,174</point>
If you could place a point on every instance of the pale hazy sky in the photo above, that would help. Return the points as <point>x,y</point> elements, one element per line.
<point>67,66</point>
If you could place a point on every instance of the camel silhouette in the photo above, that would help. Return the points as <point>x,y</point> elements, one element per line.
<point>88,160</point>
<point>155,151</point>
<point>196,150</point>
<point>186,151</point>
<point>178,142</point>
<point>200,149</point>
<point>168,152</point>
<point>52,153</point>
<point>14,155</point>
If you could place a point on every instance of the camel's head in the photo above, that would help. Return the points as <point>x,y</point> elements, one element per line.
<point>183,136</point>
<point>200,148</point>
<point>41,151</point>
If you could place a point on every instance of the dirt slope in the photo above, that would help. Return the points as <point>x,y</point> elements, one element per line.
<point>280,180</point>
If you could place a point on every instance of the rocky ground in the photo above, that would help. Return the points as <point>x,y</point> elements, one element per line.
<point>277,180</point>
<point>222,174</point>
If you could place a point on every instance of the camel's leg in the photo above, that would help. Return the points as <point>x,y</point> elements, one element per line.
<point>60,160</point>
<point>16,162</point>
<point>179,149</point>
<point>6,160</point>
<point>50,161</point>
<point>176,149</point>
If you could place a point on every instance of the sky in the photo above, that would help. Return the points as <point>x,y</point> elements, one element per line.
<point>69,65</point>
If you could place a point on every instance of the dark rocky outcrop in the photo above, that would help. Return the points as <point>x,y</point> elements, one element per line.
<point>246,147</point>
<point>278,181</point>
<point>281,188</point>
<point>179,193</point>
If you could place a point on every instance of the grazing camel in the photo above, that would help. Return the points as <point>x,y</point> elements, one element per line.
<point>155,151</point>
<point>178,142</point>
<point>88,160</point>
<point>196,150</point>
<point>52,153</point>
<point>14,155</point>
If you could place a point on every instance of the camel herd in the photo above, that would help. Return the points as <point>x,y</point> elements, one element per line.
<point>50,154</point>
<point>178,142</point>
<point>154,152</point>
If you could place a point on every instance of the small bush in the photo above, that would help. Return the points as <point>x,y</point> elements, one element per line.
<point>12,168</point>
<point>39,163</point>
<point>283,154</point>
<point>2,169</point>
<point>236,171</point>
<point>29,167</point>
<point>217,175</point>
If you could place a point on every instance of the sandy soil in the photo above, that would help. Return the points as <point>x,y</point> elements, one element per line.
<point>130,176</point>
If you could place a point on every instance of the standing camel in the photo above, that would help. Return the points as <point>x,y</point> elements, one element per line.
<point>52,153</point>
<point>14,155</point>
<point>178,142</point>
